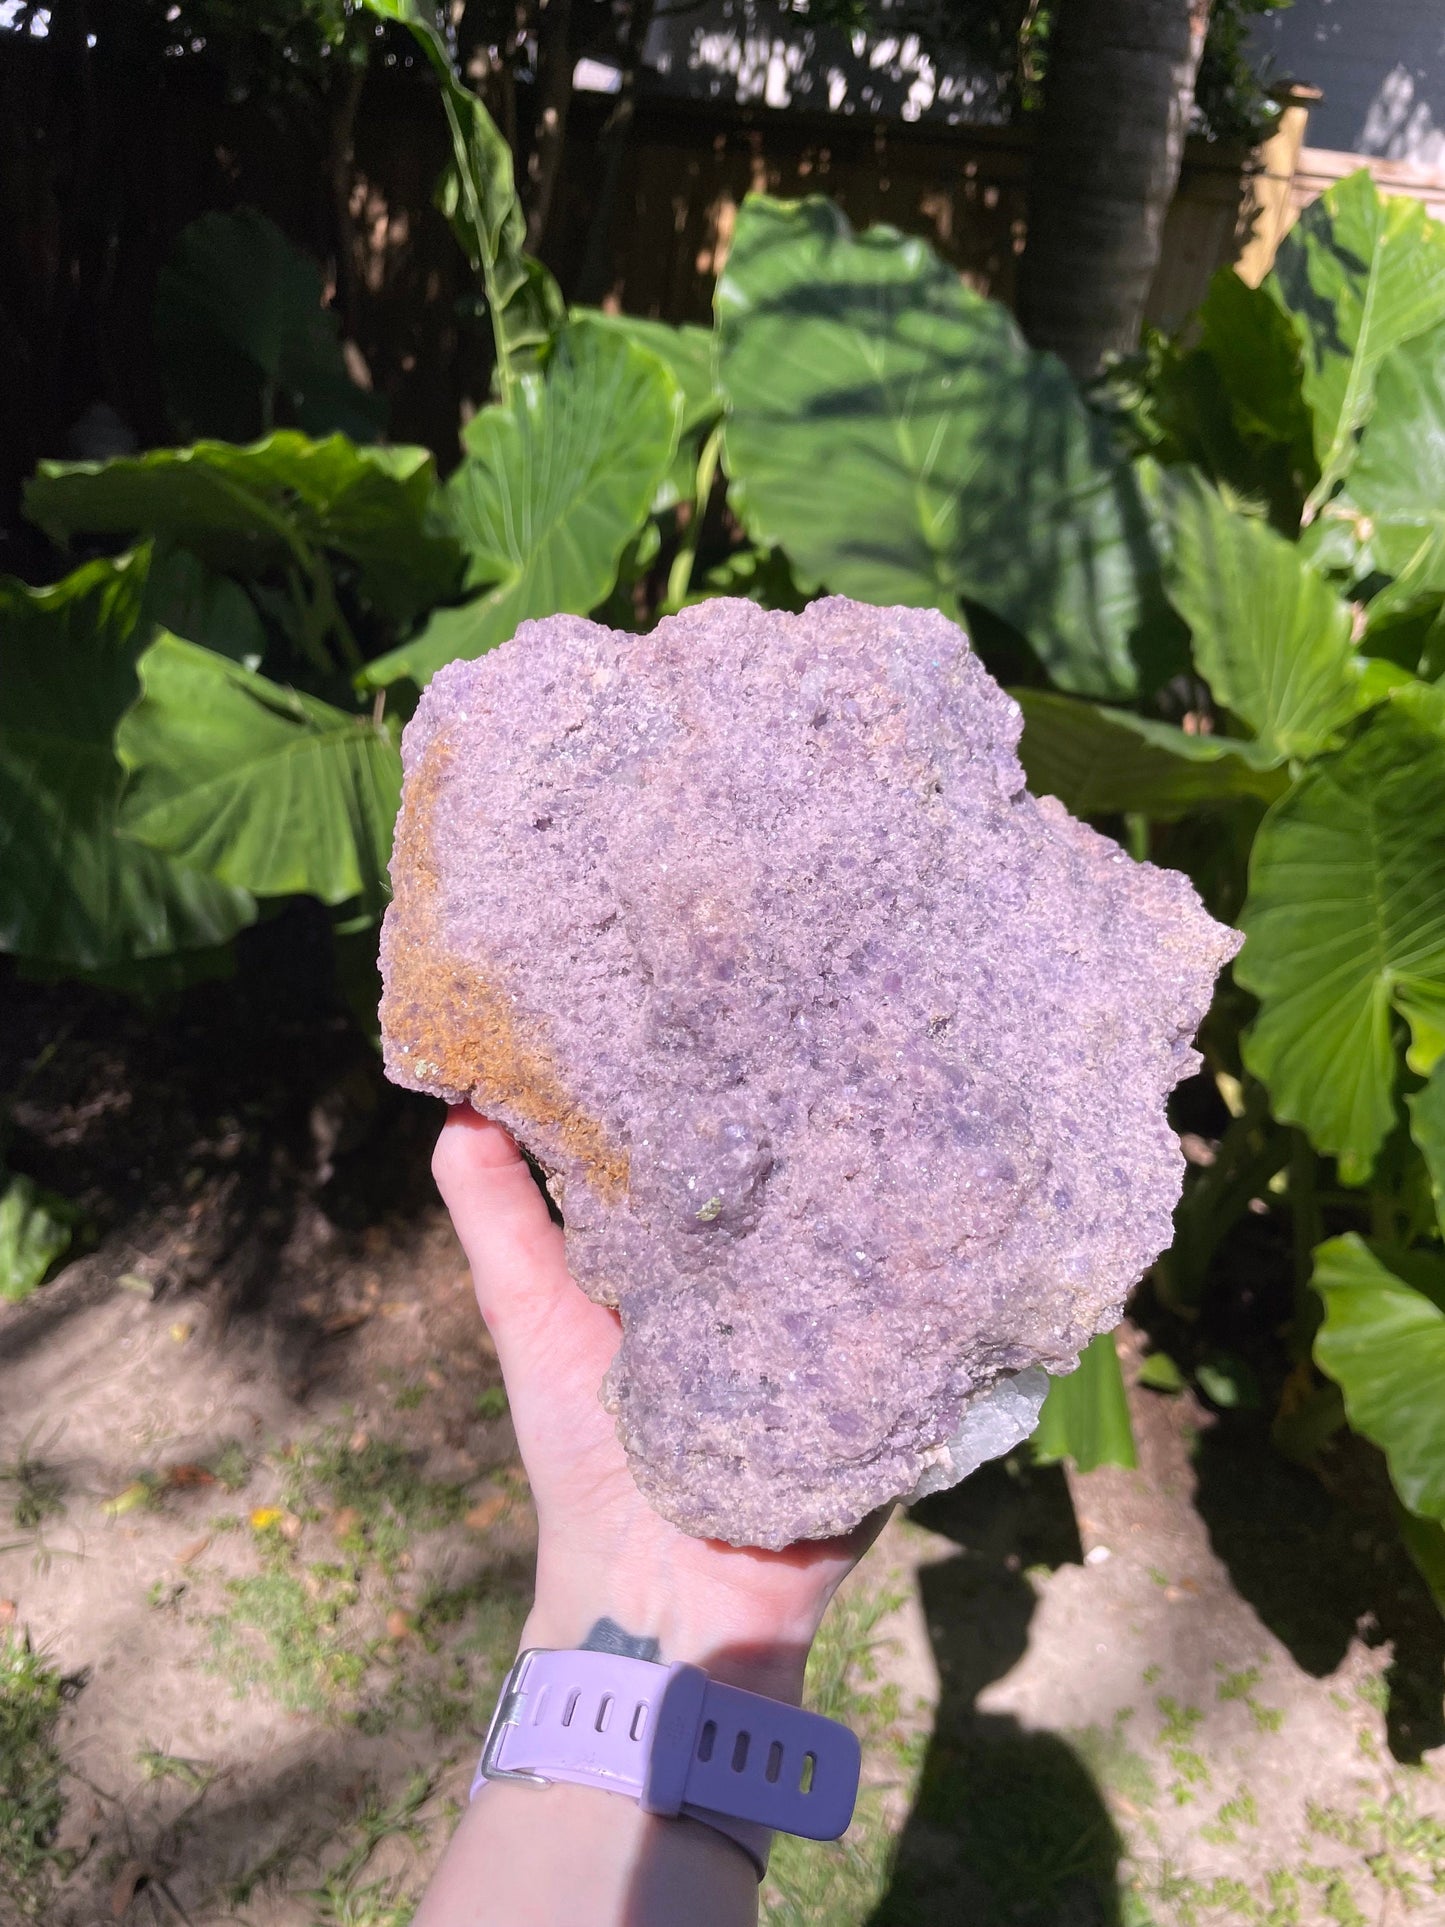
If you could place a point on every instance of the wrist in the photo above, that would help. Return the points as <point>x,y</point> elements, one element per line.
<point>740,1641</point>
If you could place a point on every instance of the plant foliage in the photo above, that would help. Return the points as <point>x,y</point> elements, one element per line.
<point>1229,565</point>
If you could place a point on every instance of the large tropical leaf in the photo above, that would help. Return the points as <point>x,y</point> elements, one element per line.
<point>689,355</point>
<point>1099,762</point>
<point>1427,1126</point>
<point>1230,401</point>
<point>1359,275</point>
<point>260,786</point>
<point>193,601</point>
<point>1345,929</point>
<point>1271,637</point>
<point>554,484</point>
<point>1257,349</point>
<point>479,197</point>
<point>277,503</point>
<point>892,432</point>
<point>72,892</point>
<point>1397,480</point>
<point>243,333</point>
<point>1383,1343</point>
<point>1086,1415</point>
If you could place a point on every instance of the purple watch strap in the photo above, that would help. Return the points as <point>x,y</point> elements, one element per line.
<point>676,1741</point>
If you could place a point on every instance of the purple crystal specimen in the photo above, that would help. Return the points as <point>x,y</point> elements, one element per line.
<point>847,1056</point>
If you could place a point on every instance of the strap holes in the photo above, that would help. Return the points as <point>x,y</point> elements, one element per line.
<point>775,1763</point>
<point>639,1720</point>
<point>538,1704</point>
<point>571,1707</point>
<point>805,1779</point>
<point>707,1739</point>
<point>740,1752</point>
<point>604,1713</point>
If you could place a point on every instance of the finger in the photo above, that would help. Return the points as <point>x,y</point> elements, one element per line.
<point>515,1250</point>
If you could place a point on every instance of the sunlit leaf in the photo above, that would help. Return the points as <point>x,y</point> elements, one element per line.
<point>893,433</point>
<point>1100,762</point>
<point>555,483</point>
<point>1271,637</point>
<point>260,786</point>
<point>275,504</point>
<point>73,893</point>
<point>1359,274</point>
<point>1397,480</point>
<point>479,198</point>
<point>35,1230</point>
<point>1345,931</point>
<point>1086,1415</point>
<point>1383,1342</point>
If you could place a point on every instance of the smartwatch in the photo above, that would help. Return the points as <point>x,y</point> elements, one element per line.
<point>675,1741</point>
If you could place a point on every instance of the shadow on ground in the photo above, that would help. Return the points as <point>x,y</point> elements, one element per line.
<point>1008,1826</point>
<point>235,1133</point>
<point>1320,1566</point>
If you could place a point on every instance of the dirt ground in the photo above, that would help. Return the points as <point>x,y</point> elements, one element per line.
<point>260,1510</point>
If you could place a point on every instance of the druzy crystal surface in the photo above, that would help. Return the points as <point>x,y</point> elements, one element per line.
<point>845,1055</point>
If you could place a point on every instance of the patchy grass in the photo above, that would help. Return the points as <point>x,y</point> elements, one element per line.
<point>461,1640</point>
<point>824,1884</point>
<point>284,1632</point>
<point>1179,1724</point>
<point>32,1693</point>
<point>37,1491</point>
<point>1119,1769</point>
<point>157,1766</point>
<point>314,1634</point>
<point>343,1898</point>
<point>1240,1686</point>
<point>231,1467</point>
<point>375,1485</point>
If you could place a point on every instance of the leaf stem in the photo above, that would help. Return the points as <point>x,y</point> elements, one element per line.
<point>679,576</point>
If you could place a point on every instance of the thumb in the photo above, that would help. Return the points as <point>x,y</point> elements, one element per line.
<point>515,1249</point>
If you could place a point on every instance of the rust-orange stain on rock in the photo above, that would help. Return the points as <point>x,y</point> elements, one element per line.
<point>452,1025</point>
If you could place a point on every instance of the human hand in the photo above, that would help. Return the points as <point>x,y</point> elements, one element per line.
<point>747,1616</point>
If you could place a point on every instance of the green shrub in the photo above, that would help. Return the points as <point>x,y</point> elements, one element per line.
<point>1218,584</point>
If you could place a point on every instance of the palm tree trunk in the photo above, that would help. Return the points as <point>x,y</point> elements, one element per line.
<point>1117,98</point>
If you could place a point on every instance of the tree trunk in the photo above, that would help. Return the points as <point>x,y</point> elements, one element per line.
<point>549,121</point>
<point>1117,98</point>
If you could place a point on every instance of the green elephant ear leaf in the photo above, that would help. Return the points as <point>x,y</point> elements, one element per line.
<point>1344,930</point>
<point>272,505</point>
<point>1397,479</point>
<point>260,786</point>
<point>73,893</point>
<point>1359,275</point>
<point>35,1230</point>
<point>893,433</point>
<point>1271,637</point>
<point>1086,1415</point>
<point>554,485</point>
<point>1383,1343</point>
<point>190,600</point>
<point>1102,762</point>
<point>242,331</point>
<point>1427,1127</point>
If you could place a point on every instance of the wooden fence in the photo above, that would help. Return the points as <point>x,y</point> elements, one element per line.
<point>964,188</point>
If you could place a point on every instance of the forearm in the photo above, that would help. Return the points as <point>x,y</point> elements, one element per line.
<point>566,1856</point>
